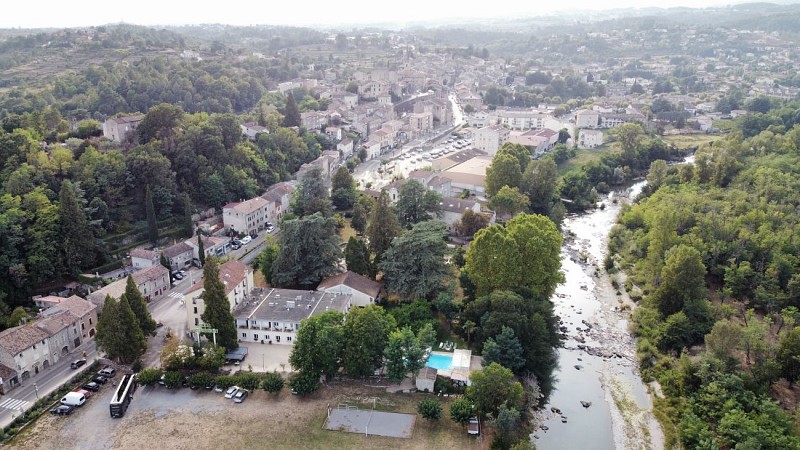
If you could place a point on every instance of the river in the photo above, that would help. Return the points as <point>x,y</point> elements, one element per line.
<point>597,363</point>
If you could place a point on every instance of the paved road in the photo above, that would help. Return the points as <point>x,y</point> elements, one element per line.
<point>23,397</point>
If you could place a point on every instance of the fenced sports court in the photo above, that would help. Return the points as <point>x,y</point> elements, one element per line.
<point>369,422</point>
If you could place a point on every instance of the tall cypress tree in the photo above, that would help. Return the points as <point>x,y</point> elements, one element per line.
<point>218,309</point>
<point>201,249</point>
<point>152,223</point>
<point>77,240</point>
<point>139,307</point>
<point>291,115</point>
<point>108,328</point>
<point>133,344</point>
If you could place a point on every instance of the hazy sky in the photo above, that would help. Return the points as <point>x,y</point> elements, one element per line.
<point>65,13</point>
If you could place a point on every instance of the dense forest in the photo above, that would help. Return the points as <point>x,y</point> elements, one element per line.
<point>711,252</point>
<point>179,159</point>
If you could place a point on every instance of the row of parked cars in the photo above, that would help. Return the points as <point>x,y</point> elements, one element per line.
<point>79,396</point>
<point>235,392</point>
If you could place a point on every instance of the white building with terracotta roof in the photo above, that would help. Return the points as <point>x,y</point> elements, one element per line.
<point>587,118</point>
<point>279,198</point>
<point>116,128</point>
<point>151,281</point>
<point>249,216</point>
<point>365,291</point>
<point>141,258</point>
<point>238,281</point>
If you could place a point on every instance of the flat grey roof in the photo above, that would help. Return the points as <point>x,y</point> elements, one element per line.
<point>288,305</point>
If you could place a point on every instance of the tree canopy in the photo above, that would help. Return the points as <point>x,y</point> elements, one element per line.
<point>414,265</point>
<point>308,252</point>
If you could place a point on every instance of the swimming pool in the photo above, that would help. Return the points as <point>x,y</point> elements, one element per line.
<point>440,362</point>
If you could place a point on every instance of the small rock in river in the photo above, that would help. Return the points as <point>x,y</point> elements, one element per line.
<point>578,366</point>
<point>586,404</point>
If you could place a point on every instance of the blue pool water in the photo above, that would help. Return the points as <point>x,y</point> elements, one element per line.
<point>440,362</point>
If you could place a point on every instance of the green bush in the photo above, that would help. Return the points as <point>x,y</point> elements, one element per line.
<point>226,381</point>
<point>149,376</point>
<point>304,383</point>
<point>200,379</point>
<point>249,381</point>
<point>273,382</point>
<point>172,379</point>
<point>430,409</point>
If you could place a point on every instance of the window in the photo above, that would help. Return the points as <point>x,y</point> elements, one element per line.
<point>196,321</point>
<point>255,337</point>
<point>90,320</point>
<point>277,338</point>
<point>244,335</point>
<point>195,309</point>
<point>288,339</point>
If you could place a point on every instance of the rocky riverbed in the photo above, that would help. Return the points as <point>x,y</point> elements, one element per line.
<point>599,400</point>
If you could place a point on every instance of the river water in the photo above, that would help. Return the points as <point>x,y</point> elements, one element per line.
<point>597,363</point>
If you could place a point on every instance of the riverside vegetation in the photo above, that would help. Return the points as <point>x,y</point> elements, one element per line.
<point>711,253</point>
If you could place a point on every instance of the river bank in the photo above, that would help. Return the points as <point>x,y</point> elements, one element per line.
<point>599,400</point>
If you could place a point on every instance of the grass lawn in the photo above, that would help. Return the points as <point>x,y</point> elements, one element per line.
<point>583,157</point>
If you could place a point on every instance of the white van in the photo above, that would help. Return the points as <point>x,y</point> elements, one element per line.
<point>74,399</point>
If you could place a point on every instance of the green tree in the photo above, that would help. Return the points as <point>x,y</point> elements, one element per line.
<point>273,382</point>
<point>304,383</point>
<point>139,307</point>
<point>629,137</point>
<point>312,195</point>
<point>308,252</point>
<point>492,387</point>
<point>218,310</point>
<point>416,203</point>
<point>504,171</point>
<point>361,211</point>
<point>725,339</point>
<point>524,253</point>
<point>266,260</point>
<point>414,266</point>
<point>505,350</point>
<point>430,409</point>
<point>471,222</point>
<point>152,222</point>
<point>404,353</point>
<point>160,123</point>
<point>461,410</point>
<point>291,115</point>
<point>132,342</point>
<point>318,346</point>
<point>788,356</point>
<point>509,201</point>
<point>383,226</point>
<point>366,332</point>
<point>343,189</point>
<point>682,279</point>
<point>77,240</point>
<point>201,250</point>
<point>356,256</point>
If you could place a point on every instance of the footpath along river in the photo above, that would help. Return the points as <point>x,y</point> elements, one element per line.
<point>597,363</point>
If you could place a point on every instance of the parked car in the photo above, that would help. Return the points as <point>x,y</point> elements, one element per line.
<point>246,240</point>
<point>107,372</point>
<point>100,380</point>
<point>474,426</point>
<point>231,391</point>
<point>92,386</point>
<point>210,386</point>
<point>219,389</point>
<point>177,276</point>
<point>240,396</point>
<point>85,393</point>
<point>77,363</point>
<point>62,410</point>
<point>73,399</point>
<point>270,228</point>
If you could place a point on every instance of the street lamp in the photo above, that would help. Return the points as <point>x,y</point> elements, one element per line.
<point>36,388</point>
